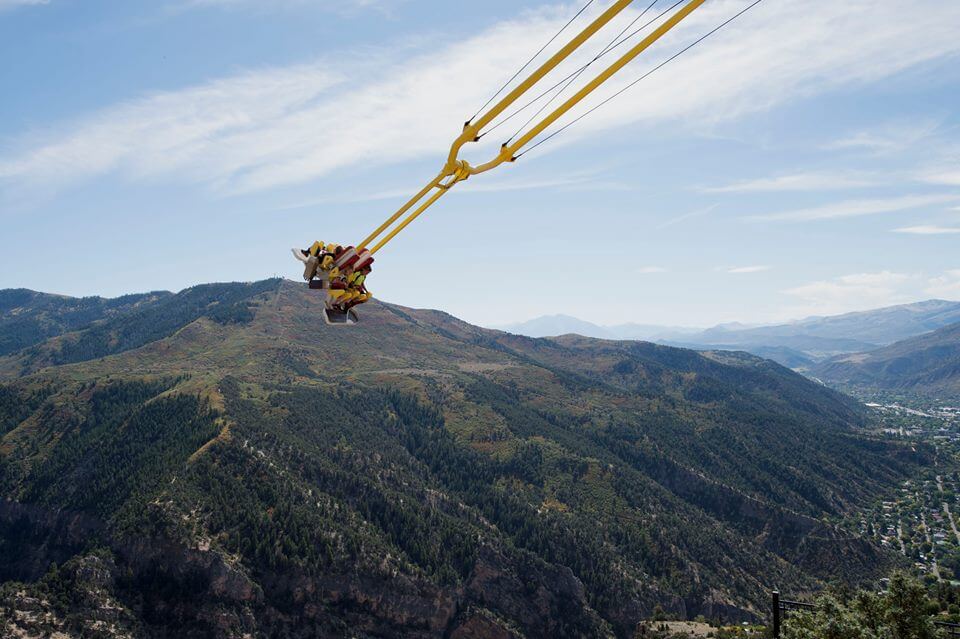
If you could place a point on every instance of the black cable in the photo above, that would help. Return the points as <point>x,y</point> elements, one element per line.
<point>535,56</point>
<point>580,71</point>
<point>551,89</point>
<point>643,77</point>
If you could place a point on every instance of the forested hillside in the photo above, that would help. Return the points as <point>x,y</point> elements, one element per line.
<point>28,317</point>
<point>928,365</point>
<point>222,462</point>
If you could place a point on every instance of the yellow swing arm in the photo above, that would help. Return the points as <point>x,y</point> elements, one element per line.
<point>457,170</point>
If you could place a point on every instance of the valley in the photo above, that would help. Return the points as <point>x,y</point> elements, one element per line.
<point>920,519</point>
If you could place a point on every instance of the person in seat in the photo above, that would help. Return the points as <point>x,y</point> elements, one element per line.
<point>318,260</point>
<point>356,286</point>
<point>349,289</point>
<point>346,286</point>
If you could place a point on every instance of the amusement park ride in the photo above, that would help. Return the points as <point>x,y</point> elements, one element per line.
<point>341,271</point>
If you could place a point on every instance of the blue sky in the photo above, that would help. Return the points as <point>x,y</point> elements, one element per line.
<point>806,160</point>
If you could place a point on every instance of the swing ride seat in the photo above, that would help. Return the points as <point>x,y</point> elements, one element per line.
<point>336,317</point>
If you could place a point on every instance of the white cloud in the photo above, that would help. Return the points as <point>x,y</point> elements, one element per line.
<point>856,208</point>
<point>742,270</point>
<point>947,285</point>
<point>213,125</point>
<point>864,291</point>
<point>273,127</point>
<point>928,229</point>
<point>859,291</point>
<point>796,182</point>
<point>12,4</point>
<point>650,270</point>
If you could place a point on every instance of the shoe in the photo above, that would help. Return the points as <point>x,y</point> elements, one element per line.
<point>310,268</point>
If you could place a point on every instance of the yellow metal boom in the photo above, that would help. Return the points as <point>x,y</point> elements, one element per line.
<point>457,170</point>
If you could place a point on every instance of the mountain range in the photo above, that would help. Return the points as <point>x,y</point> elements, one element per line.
<point>928,365</point>
<point>796,344</point>
<point>556,325</point>
<point>220,462</point>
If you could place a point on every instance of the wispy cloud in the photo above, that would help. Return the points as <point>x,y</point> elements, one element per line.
<point>688,216</point>
<point>796,182</point>
<point>928,229</point>
<point>650,270</point>
<point>945,176</point>
<point>856,208</point>
<point>338,6</point>
<point>743,270</point>
<point>12,4</point>
<point>367,108</point>
<point>578,180</point>
<point>888,138</point>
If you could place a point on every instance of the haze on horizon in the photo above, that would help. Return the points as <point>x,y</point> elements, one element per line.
<point>801,163</point>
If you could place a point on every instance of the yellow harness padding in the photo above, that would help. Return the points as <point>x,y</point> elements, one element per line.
<point>316,248</point>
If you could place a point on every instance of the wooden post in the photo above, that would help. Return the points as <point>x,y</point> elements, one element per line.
<point>776,614</point>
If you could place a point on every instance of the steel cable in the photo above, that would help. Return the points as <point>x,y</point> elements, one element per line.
<point>530,61</point>
<point>580,71</point>
<point>551,89</point>
<point>641,78</point>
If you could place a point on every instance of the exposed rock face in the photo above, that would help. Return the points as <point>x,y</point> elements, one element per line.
<point>35,536</point>
<point>399,606</point>
<point>531,593</point>
<point>181,564</point>
<point>199,591</point>
<point>76,600</point>
<point>482,626</point>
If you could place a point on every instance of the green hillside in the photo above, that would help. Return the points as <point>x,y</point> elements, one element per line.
<point>28,317</point>
<point>222,462</point>
<point>929,364</point>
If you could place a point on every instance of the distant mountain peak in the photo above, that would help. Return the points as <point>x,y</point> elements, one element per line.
<point>556,325</point>
<point>796,344</point>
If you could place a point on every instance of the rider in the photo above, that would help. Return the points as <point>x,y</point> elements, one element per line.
<point>349,289</point>
<point>356,285</point>
<point>317,259</point>
<point>345,288</point>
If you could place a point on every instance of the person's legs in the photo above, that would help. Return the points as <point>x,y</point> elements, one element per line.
<point>310,267</point>
<point>336,296</point>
